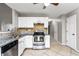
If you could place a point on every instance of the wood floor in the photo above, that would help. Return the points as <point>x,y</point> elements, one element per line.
<point>55,50</point>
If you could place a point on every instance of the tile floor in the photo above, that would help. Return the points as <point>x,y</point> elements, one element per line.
<point>55,50</point>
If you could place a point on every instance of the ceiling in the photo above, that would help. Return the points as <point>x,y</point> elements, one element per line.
<point>29,9</point>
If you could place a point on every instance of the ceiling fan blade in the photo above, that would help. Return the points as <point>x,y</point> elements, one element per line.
<point>44,7</point>
<point>35,3</point>
<point>56,4</point>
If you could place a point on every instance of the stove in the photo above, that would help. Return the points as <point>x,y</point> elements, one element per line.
<point>38,41</point>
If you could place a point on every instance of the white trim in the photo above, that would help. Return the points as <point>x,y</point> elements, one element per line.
<point>0,51</point>
<point>76,50</point>
<point>58,42</point>
<point>63,44</point>
<point>67,45</point>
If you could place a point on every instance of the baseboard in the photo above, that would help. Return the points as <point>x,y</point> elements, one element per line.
<point>73,49</point>
<point>59,43</point>
<point>67,46</point>
<point>76,50</point>
<point>63,44</point>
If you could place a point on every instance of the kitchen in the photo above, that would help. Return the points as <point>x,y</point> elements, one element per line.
<point>22,37</point>
<point>33,30</point>
<point>35,33</point>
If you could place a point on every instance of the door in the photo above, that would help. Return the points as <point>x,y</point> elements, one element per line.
<point>71,31</point>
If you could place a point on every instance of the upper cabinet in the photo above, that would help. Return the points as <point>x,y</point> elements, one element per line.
<point>29,22</point>
<point>21,23</point>
<point>46,25</point>
<point>24,23</point>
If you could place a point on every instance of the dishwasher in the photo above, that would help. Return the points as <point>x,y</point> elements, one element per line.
<point>10,49</point>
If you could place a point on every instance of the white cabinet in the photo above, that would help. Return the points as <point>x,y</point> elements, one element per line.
<point>24,22</point>
<point>21,23</point>
<point>29,21</point>
<point>47,41</point>
<point>24,42</point>
<point>46,24</point>
<point>20,46</point>
<point>28,41</point>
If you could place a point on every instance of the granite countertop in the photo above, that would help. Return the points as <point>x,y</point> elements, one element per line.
<point>4,41</point>
<point>27,34</point>
<point>3,32</point>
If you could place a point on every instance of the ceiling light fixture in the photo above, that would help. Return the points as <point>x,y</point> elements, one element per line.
<point>46,4</point>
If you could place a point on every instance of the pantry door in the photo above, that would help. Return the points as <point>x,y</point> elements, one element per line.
<point>71,31</point>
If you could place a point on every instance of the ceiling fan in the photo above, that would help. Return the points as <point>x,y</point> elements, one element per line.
<point>46,4</point>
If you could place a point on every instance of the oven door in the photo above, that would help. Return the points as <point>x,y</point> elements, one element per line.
<point>39,39</point>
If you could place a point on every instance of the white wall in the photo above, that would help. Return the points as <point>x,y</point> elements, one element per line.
<point>59,27</point>
<point>14,18</point>
<point>55,30</point>
<point>63,19</point>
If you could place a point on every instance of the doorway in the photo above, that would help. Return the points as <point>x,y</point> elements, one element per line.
<point>51,31</point>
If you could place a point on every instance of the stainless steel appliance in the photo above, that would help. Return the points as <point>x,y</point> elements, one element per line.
<point>38,41</point>
<point>10,49</point>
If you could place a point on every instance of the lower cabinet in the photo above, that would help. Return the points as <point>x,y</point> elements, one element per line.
<point>47,41</point>
<point>20,46</point>
<point>24,42</point>
<point>28,41</point>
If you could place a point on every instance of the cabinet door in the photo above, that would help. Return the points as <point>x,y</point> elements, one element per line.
<point>29,23</point>
<point>28,41</point>
<point>20,49</point>
<point>24,22</point>
<point>21,22</point>
<point>46,24</point>
<point>20,46</point>
<point>47,41</point>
